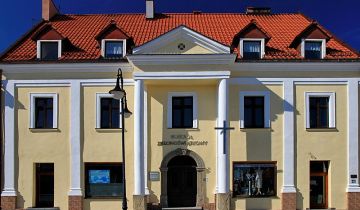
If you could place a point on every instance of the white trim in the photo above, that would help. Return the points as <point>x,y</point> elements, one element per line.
<point>332,110</point>
<point>266,95</point>
<point>182,75</point>
<point>9,140</point>
<point>353,136</point>
<point>185,33</point>
<point>182,59</point>
<point>38,45</point>
<point>9,69</point>
<point>323,46</point>
<point>317,66</point>
<point>289,138</point>
<point>33,96</point>
<point>42,85</point>
<point>169,107</point>
<point>103,42</point>
<point>75,139</point>
<point>99,96</point>
<point>279,81</point>
<point>262,45</point>
<point>67,83</point>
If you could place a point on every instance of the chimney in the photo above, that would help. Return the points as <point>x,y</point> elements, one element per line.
<point>49,9</point>
<point>150,9</point>
<point>258,10</point>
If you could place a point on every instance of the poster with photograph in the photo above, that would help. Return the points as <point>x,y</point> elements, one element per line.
<point>99,176</point>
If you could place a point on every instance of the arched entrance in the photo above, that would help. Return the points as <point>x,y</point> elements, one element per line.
<point>182,179</point>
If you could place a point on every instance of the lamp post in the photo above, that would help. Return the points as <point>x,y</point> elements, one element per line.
<point>120,94</point>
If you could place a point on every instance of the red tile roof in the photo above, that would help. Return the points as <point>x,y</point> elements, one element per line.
<point>81,31</point>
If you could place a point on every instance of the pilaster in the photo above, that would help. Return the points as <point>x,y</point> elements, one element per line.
<point>8,194</point>
<point>288,198</point>
<point>139,186</point>
<point>353,188</point>
<point>222,181</point>
<point>75,141</point>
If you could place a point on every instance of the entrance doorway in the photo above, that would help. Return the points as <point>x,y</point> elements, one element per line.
<point>319,184</point>
<point>182,182</point>
<point>44,185</point>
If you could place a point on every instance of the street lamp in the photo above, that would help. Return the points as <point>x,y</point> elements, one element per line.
<point>120,94</point>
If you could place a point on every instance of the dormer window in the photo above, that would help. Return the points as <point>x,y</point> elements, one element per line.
<point>252,49</point>
<point>113,48</point>
<point>313,49</point>
<point>48,49</point>
<point>311,42</point>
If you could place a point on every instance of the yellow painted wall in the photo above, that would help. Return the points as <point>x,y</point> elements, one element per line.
<point>190,48</point>
<point>325,144</point>
<point>246,144</point>
<point>157,112</point>
<point>263,144</point>
<point>42,147</point>
<point>104,145</point>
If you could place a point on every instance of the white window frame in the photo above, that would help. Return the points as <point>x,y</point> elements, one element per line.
<point>323,46</point>
<point>33,96</point>
<point>195,107</point>
<point>103,42</point>
<point>262,47</point>
<point>38,45</point>
<point>99,96</point>
<point>266,95</point>
<point>332,108</point>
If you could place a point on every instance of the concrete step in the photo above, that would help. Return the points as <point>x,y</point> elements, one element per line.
<point>183,208</point>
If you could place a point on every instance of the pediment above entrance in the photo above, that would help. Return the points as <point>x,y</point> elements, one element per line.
<point>182,40</point>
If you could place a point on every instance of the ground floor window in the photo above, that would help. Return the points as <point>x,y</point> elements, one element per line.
<point>254,179</point>
<point>103,180</point>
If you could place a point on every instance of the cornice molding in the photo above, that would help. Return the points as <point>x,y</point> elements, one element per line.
<point>182,75</point>
<point>184,59</point>
<point>296,66</point>
<point>65,68</point>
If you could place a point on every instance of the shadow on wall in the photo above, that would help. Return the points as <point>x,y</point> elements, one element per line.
<point>260,143</point>
<point>299,199</point>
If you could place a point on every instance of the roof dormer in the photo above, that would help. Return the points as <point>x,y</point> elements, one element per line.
<point>49,43</point>
<point>251,41</point>
<point>115,43</point>
<point>311,42</point>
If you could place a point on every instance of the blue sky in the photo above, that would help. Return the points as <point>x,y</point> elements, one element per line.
<point>339,16</point>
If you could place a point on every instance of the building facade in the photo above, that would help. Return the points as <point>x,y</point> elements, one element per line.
<point>229,111</point>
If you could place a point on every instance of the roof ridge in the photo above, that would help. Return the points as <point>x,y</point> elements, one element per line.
<point>182,13</point>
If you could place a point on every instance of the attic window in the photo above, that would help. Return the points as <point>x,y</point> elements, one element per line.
<point>313,49</point>
<point>251,49</point>
<point>113,48</point>
<point>49,49</point>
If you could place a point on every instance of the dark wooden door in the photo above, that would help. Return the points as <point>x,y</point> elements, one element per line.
<point>44,185</point>
<point>319,185</point>
<point>182,183</point>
